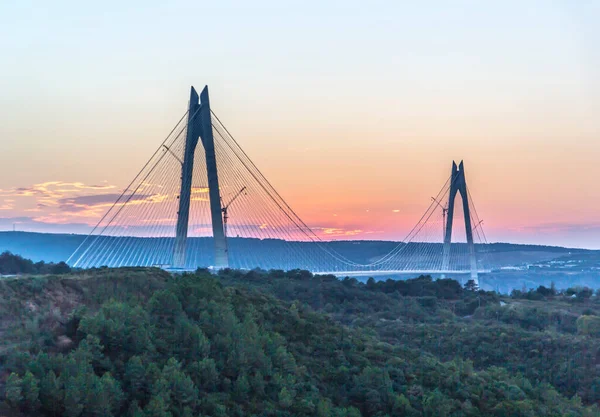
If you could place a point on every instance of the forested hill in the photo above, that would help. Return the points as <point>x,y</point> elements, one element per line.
<point>139,342</point>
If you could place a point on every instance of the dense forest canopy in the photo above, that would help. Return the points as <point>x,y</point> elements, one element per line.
<point>15,265</point>
<point>140,342</point>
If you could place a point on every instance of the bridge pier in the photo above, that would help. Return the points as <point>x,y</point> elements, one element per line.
<point>199,126</point>
<point>458,184</point>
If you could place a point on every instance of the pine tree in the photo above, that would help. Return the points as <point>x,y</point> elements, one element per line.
<point>135,379</point>
<point>353,412</point>
<point>51,394</point>
<point>135,410</point>
<point>160,389</point>
<point>165,308</point>
<point>14,393</point>
<point>98,402</point>
<point>285,398</point>
<point>31,392</point>
<point>187,412</point>
<point>189,342</point>
<point>172,367</point>
<point>113,392</point>
<point>205,375</point>
<point>258,384</point>
<point>241,388</point>
<point>157,408</point>
<point>183,392</point>
<point>285,360</point>
<point>75,390</point>
<point>324,408</point>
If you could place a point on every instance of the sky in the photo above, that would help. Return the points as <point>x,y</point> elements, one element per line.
<point>354,110</point>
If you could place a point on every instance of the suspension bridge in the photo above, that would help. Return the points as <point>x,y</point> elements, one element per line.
<point>200,201</point>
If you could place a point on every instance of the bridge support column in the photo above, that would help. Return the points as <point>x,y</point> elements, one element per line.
<point>458,184</point>
<point>199,125</point>
<point>214,194</point>
<point>187,169</point>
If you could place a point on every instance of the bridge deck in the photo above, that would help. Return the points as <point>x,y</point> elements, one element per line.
<point>407,272</point>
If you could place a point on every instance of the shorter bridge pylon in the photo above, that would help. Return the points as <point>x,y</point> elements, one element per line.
<point>458,184</point>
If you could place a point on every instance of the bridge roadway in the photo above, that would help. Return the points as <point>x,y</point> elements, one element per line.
<point>415,272</point>
<point>402,272</point>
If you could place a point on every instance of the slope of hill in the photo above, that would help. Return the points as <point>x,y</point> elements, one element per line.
<point>138,342</point>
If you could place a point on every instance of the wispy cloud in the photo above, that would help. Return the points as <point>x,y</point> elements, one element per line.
<point>559,227</point>
<point>75,202</point>
<point>86,202</point>
<point>330,232</point>
<point>334,231</point>
<point>30,224</point>
<point>51,201</point>
<point>52,189</point>
<point>49,193</point>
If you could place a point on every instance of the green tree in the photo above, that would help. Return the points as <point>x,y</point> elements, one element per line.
<point>165,308</point>
<point>183,392</point>
<point>160,389</point>
<point>471,286</point>
<point>187,412</point>
<point>353,412</point>
<point>285,360</point>
<point>135,410</point>
<point>285,398</point>
<point>241,388</point>
<point>135,379</point>
<point>258,384</point>
<point>112,391</point>
<point>324,408</point>
<point>121,329</point>
<point>98,401</point>
<point>401,405</point>
<point>14,392</point>
<point>204,374</point>
<point>31,392</point>
<point>157,408</point>
<point>437,404</point>
<point>51,394</point>
<point>190,343</point>
<point>104,396</point>
<point>75,394</point>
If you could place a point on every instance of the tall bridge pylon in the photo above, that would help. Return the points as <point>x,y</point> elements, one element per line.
<point>200,201</point>
<point>199,125</point>
<point>458,184</point>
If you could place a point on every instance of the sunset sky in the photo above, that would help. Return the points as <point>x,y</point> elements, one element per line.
<point>353,110</point>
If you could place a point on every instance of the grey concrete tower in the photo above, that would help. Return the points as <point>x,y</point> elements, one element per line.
<point>458,184</point>
<point>199,126</point>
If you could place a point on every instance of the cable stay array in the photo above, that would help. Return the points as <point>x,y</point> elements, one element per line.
<point>260,228</point>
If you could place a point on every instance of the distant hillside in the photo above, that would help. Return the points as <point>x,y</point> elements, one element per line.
<point>58,247</point>
<point>46,247</point>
